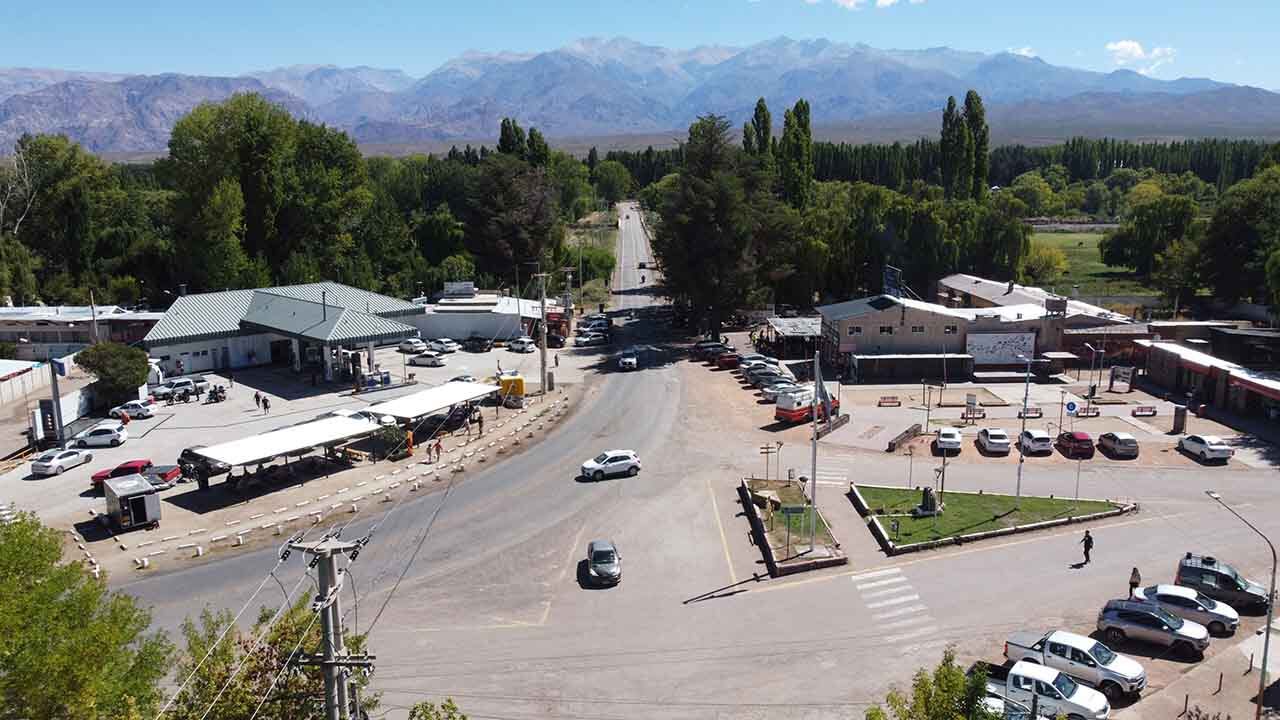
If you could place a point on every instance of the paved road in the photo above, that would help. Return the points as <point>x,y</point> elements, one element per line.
<point>490,612</point>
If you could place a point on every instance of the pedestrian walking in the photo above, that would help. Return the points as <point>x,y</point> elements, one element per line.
<point>1135,579</point>
<point>557,359</point>
<point>257,399</point>
<point>266,405</point>
<point>480,422</point>
<point>439,448</point>
<point>1087,542</point>
<point>231,378</point>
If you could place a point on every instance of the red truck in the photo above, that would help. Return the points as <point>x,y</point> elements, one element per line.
<point>161,476</point>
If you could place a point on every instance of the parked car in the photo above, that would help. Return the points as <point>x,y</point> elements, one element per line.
<point>192,462</point>
<point>1083,658</point>
<point>728,360</point>
<point>948,440</point>
<point>1034,440</point>
<point>134,409</point>
<point>194,385</point>
<point>443,422</point>
<point>591,339</point>
<point>1121,620</point>
<point>781,387</point>
<point>765,376</point>
<point>521,345</point>
<point>757,357</point>
<point>604,563</point>
<point>464,378</point>
<point>56,462</point>
<point>428,358</point>
<point>412,345</point>
<point>477,344</point>
<point>1075,444</point>
<point>628,361</point>
<point>713,354</point>
<point>443,345</point>
<point>1220,581</point>
<point>1206,447</point>
<point>994,441</point>
<point>162,476</point>
<point>1189,604</point>
<point>1053,691</point>
<point>108,433</point>
<point>611,462</point>
<point>555,341</point>
<point>1118,444</point>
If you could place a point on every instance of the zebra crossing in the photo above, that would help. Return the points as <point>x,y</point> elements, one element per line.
<point>897,610</point>
<point>833,476</point>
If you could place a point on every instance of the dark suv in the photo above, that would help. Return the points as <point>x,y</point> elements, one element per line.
<point>447,422</point>
<point>192,462</point>
<point>1220,581</point>
<point>477,344</point>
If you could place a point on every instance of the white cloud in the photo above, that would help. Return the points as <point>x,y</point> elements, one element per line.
<point>858,4</point>
<point>1024,51</point>
<point>1130,53</point>
<point>850,4</point>
<point>885,3</point>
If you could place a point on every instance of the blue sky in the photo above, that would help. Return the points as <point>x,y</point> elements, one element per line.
<point>1231,40</point>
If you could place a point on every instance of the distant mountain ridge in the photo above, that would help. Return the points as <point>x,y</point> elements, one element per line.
<point>603,87</point>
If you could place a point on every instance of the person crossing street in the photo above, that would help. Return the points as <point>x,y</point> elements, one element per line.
<point>1087,542</point>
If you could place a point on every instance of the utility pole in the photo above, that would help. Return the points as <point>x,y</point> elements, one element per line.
<point>55,366</point>
<point>1022,452</point>
<point>542,359</point>
<point>813,493</point>
<point>333,659</point>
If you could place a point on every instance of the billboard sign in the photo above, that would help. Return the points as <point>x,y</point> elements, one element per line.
<point>999,348</point>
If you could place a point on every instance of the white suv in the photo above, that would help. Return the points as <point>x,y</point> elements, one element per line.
<point>994,441</point>
<point>110,433</point>
<point>1033,440</point>
<point>611,462</point>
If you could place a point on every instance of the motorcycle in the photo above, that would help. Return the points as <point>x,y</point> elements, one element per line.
<point>216,394</point>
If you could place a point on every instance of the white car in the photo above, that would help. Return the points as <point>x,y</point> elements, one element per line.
<point>56,462</point>
<point>134,409</point>
<point>611,462</point>
<point>994,441</point>
<point>412,345</point>
<point>948,439</point>
<point>443,345</point>
<point>104,434</point>
<point>1033,440</point>
<point>628,361</point>
<point>521,345</point>
<point>1206,447</point>
<point>428,358</point>
<point>1218,618</point>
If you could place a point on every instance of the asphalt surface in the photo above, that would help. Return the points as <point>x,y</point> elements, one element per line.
<point>490,611</point>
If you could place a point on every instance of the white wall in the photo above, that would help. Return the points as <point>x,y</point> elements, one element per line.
<point>460,326</point>
<point>207,354</point>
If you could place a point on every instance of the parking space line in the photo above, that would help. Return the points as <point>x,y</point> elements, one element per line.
<point>724,540</point>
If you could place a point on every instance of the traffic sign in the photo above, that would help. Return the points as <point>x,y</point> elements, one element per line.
<point>794,509</point>
<point>1071,408</point>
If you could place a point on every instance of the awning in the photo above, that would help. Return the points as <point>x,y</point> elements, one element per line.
<point>292,440</point>
<point>421,404</point>
<point>804,327</point>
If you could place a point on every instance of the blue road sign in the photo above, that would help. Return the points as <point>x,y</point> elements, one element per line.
<point>1071,407</point>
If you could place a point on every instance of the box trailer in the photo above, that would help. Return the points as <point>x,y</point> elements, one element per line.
<point>132,501</point>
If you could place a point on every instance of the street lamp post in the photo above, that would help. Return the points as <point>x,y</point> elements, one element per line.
<point>1271,596</point>
<point>1022,452</point>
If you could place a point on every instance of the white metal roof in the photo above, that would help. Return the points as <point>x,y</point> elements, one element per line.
<point>291,440</point>
<point>433,400</point>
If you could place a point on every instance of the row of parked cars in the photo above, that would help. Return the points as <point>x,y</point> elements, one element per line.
<point>1075,443</point>
<point>1068,675</point>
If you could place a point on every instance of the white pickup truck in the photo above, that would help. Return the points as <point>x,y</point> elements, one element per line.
<point>1083,658</point>
<point>194,384</point>
<point>1050,691</point>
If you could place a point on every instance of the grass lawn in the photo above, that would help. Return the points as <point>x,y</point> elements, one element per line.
<point>1085,267</point>
<point>966,513</point>
<point>789,493</point>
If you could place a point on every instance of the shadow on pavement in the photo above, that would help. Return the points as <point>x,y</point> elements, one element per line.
<point>724,592</point>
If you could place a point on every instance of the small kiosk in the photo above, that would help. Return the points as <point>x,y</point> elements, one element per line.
<point>132,501</point>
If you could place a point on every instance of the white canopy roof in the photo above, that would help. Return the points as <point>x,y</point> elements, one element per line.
<point>433,400</point>
<point>292,440</point>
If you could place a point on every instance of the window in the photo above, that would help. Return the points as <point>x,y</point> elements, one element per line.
<point>1058,649</point>
<point>950,330</point>
<point>1044,689</point>
<point>917,329</point>
<point>1023,682</point>
<point>855,330</point>
<point>886,329</point>
<point>1079,656</point>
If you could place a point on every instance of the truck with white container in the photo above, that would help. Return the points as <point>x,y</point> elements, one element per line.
<point>1083,658</point>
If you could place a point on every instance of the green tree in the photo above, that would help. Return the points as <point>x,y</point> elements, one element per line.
<point>1177,268</point>
<point>120,369</point>
<point>68,647</point>
<point>430,711</point>
<point>975,118</point>
<point>1153,221</point>
<point>593,159</point>
<point>1035,193</point>
<point>216,259</point>
<point>762,129</point>
<point>539,152</point>
<point>511,139</point>
<point>613,181</point>
<point>1044,264</point>
<point>947,693</point>
<point>1243,236</point>
<point>957,153</point>
<point>795,159</point>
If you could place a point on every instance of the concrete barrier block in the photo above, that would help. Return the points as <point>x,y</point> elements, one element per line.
<point>154,553</point>
<point>291,518</point>
<point>335,506</point>
<point>267,526</point>
<point>80,545</point>
<point>413,487</point>
<point>123,546</point>
<point>387,498</point>
<point>259,515</point>
<point>229,523</point>
<point>502,449</point>
<point>484,458</point>
<point>362,483</point>
<point>301,504</point>
<point>395,472</point>
<point>322,497</point>
<point>97,572</point>
<point>167,538</point>
<point>217,538</point>
<point>342,490</point>
<point>186,546</point>
<point>196,532</point>
<point>244,532</point>
<point>145,543</point>
<point>393,486</point>
<point>357,498</point>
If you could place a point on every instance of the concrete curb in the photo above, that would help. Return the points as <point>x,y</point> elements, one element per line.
<point>891,549</point>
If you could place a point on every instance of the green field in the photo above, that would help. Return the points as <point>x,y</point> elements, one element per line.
<point>967,513</point>
<point>1085,268</point>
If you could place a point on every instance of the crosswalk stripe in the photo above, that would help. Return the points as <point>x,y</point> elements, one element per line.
<point>886,592</point>
<point>918,632</point>
<point>899,612</point>
<point>920,647</point>
<point>875,574</point>
<point>878,583</point>
<point>893,601</point>
<point>904,622</point>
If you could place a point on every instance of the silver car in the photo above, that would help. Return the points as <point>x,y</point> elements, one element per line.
<point>1219,617</point>
<point>604,563</point>
<point>56,462</point>
<point>1121,620</point>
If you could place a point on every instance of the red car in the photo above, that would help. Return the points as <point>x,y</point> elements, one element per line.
<point>728,360</point>
<point>1072,444</point>
<point>163,474</point>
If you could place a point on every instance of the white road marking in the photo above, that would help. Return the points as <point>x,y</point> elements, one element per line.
<point>878,583</point>
<point>875,574</point>
<point>900,612</point>
<point>886,592</point>
<point>919,632</point>
<point>893,601</point>
<point>903,623</point>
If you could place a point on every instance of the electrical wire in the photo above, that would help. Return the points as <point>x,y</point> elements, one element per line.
<point>285,665</point>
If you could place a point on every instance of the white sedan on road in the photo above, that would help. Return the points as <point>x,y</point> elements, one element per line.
<point>427,358</point>
<point>56,462</point>
<point>134,409</point>
<point>1206,447</point>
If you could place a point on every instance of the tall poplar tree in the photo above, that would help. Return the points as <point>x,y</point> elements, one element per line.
<point>975,117</point>
<point>796,156</point>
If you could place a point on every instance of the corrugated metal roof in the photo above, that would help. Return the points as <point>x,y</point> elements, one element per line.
<point>320,323</point>
<point>206,316</point>
<point>797,326</point>
<point>880,303</point>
